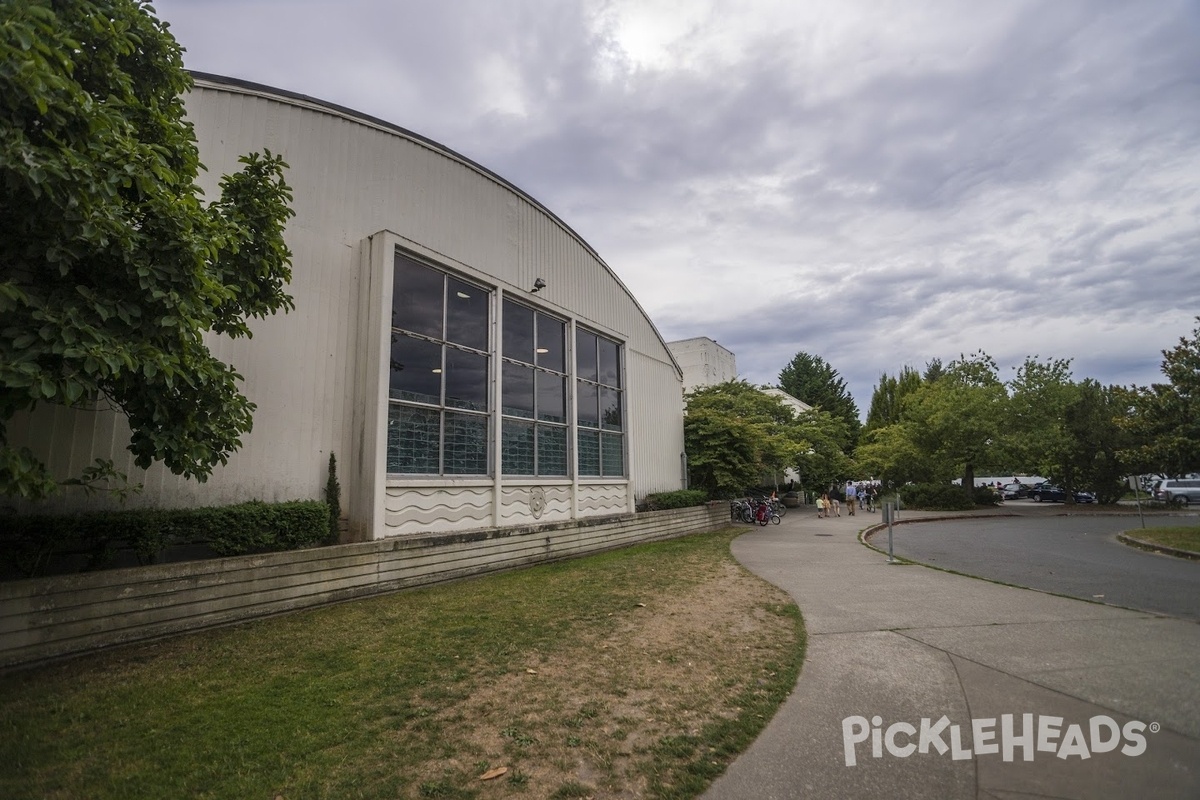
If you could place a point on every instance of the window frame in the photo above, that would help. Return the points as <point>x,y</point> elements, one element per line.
<point>530,362</point>
<point>450,411</point>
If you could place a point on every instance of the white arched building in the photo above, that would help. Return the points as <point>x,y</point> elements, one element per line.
<point>453,395</point>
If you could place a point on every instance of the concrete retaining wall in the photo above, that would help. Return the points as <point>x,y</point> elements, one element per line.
<point>61,615</point>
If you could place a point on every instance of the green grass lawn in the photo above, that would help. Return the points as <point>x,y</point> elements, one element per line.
<point>1183,537</point>
<point>643,670</point>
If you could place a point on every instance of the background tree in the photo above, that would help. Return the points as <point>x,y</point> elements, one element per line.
<point>888,397</point>
<point>957,420</point>
<point>933,370</point>
<point>811,379</point>
<point>1092,420</point>
<point>111,269</point>
<point>733,435</point>
<point>1165,419</point>
<point>820,459</point>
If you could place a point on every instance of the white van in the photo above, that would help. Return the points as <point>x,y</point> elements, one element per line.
<point>1178,490</point>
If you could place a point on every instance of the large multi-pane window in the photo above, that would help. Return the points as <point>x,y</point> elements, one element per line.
<point>599,401</point>
<point>441,409</point>
<point>534,396</point>
<point>438,415</point>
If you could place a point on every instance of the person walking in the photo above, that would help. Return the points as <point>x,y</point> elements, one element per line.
<point>851,496</point>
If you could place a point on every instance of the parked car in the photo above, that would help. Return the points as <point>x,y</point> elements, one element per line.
<point>1050,493</point>
<point>1014,491</point>
<point>1183,491</point>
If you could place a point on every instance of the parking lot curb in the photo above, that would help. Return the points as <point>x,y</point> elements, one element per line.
<point>1142,544</point>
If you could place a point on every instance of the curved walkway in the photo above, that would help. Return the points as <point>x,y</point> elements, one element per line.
<point>893,649</point>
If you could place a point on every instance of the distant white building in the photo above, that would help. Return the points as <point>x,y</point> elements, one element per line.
<point>797,406</point>
<point>704,362</point>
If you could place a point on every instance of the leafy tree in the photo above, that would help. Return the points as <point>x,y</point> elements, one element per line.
<point>733,435</point>
<point>1068,431</point>
<point>1166,416</point>
<point>891,455</point>
<point>820,459</point>
<point>957,420</point>
<point>111,269</point>
<point>811,379</point>
<point>1092,420</point>
<point>933,370</point>
<point>888,398</point>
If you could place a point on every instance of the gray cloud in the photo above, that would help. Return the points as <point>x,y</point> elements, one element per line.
<point>877,186</point>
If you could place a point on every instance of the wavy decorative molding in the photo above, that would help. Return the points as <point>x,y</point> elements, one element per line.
<point>603,498</point>
<point>436,509</point>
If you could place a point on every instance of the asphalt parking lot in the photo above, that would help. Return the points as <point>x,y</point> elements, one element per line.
<point>1076,555</point>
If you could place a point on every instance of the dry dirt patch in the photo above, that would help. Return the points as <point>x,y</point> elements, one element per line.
<point>584,722</point>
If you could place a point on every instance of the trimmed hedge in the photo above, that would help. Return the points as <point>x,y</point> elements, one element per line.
<point>935,497</point>
<point>684,498</point>
<point>37,545</point>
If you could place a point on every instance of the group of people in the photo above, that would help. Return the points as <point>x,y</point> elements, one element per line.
<point>858,495</point>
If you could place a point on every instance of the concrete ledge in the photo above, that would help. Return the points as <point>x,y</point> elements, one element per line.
<point>1142,544</point>
<point>62,615</point>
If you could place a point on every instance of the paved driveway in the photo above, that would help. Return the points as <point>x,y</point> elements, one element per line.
<point>1076,555</point>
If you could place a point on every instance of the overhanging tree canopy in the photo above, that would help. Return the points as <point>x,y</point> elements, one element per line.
<point>111,268</point>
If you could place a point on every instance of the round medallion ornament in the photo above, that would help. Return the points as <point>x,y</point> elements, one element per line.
<point>537,501</point>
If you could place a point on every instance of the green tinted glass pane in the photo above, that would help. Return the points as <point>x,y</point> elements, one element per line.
<point>589,453</point>
<point>552,450</point>
<point>516,448</point>
<point>466,444</point>
<point>412,440</point>
<point>612,455</point>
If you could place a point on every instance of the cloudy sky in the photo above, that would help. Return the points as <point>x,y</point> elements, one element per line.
<point>878,183</point>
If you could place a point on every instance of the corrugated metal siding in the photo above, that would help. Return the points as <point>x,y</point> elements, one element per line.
<point>352,178</point>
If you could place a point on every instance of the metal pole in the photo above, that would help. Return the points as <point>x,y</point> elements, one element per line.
<point>1134,481</point>
<point>887,515</point>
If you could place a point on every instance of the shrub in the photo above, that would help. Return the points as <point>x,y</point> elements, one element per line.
<point>333,497</point>
<point>986,496</point>
<point>684,498</point>
<point>935,497</point>
<point>41,544</point>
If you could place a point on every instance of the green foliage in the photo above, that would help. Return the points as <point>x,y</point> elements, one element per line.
<point>888,398</point>
<point>735,434</point>
<point>37,544</point>
<point>957,420</point>
<point>936,497</point>
<point>112,269</point>
<point>683,498</point>
<point>892,456</point>
<point>811,379</point>
<point>333,498</point>
<point>1164,423</point>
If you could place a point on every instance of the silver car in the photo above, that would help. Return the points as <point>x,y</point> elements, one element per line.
<point>1183,491</point>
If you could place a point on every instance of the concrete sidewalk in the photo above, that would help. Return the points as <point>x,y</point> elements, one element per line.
<point>906,643</point>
